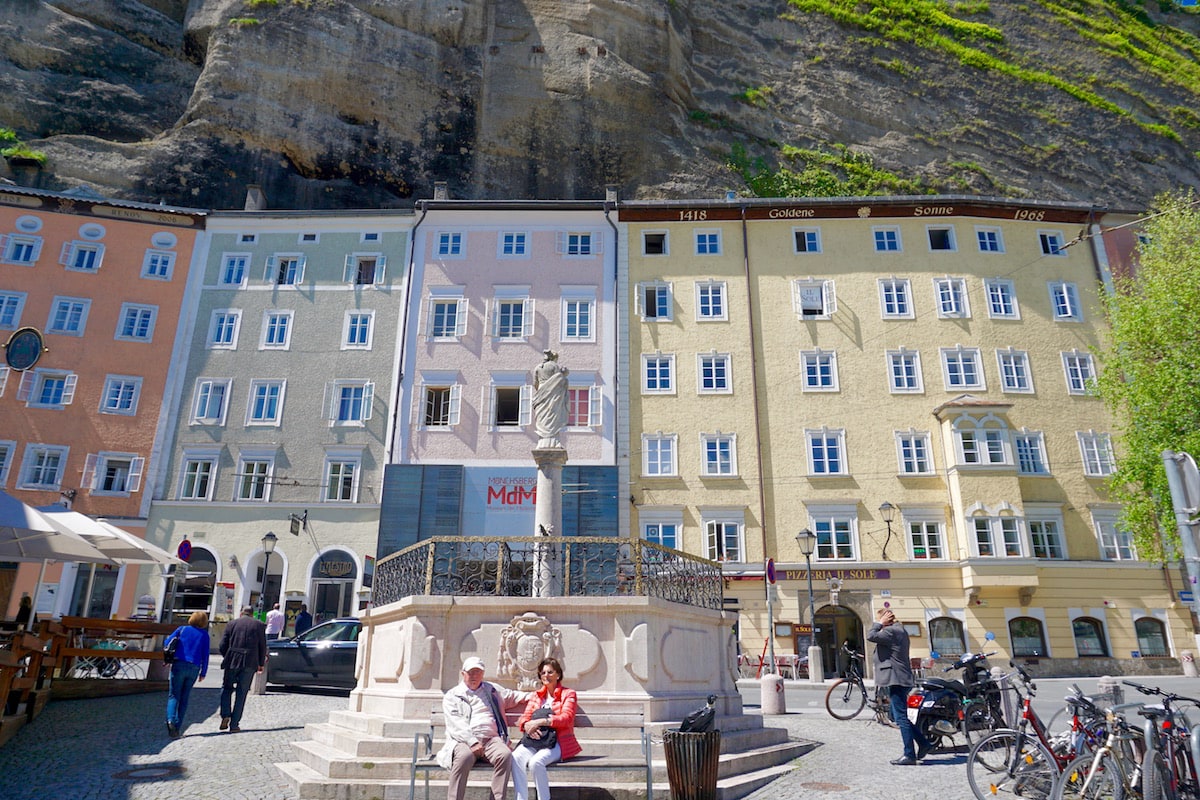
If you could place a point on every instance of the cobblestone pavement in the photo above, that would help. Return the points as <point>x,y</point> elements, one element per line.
<point>117,748</point>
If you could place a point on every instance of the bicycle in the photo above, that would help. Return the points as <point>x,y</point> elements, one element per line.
<point>1172,746</point>
<point>848,696</point>
<point>1024,761</point>
<point>1113,772</point>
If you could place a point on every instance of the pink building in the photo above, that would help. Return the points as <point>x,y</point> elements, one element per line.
<point>493,286</point>
<point>104,283</point>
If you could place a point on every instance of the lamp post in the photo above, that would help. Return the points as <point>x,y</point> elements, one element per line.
<point>887,512</point>
<point>268,544</point>
<point>808,544</point>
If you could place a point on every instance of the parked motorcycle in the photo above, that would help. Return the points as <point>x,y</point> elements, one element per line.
<point>970,707</point>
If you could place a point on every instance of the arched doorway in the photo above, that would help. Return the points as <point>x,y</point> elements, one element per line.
<point>837,624</point>
<point>334,576</point>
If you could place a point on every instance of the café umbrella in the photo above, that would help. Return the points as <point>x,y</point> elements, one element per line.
<point>119,546</point>
<point>26,534</point>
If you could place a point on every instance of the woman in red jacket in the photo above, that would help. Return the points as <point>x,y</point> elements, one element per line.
<point>559,703</point>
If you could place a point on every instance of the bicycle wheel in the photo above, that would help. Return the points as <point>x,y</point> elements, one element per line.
<point>1079,782</point>
<point>1008,763</point>
<point>1156,779</point>
<point>845,699</point>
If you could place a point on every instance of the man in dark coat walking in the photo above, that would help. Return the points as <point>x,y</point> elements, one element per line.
<point>244,647</point>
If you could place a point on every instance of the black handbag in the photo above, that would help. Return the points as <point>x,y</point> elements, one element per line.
<point>548,736</point>
<point>170,650</point>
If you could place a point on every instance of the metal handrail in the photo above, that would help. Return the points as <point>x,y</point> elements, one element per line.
<point>585,566</point>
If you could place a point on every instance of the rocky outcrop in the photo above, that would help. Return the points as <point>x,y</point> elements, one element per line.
<point>337,103</point>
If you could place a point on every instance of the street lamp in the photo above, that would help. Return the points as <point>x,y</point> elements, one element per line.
<point>268,544</point>
<point>808,544</point>
<point>887,513</point>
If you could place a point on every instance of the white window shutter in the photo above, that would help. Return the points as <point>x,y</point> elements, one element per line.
<point>348,270</point>
<point>460,320</point>
<point>594,399</point>
<point>271,271</point>
<point>797,297</point>
<point>489,401</point>
<point>830,299</point>
<point>429,317</point>
<point>526,405</point>
<point>491,316</point>
<point>3,381</point>
<point>416,414</point>
<point>89,472</point>
<point>329,402</point>
<point>597,244</point>
<point>639,300</point>
<point>136,467</point>
<point>64,257</point>
<point>560,242</point>
<point>28,379</point>
<point>380,268</point>
<point>69,388</point>
<point>527,318</point>
<point>455,403</point>
<point>300,262</point>
<point>99,255</point>
<point>368,400</point>
<point>37,249</point>
<point>4,244</point>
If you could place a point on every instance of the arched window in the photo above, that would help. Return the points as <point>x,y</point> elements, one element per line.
<point>1028,637</point>
<point>195,593</point>
<point>1089,637</point>
<point>946,636</point>
<point>1151,636</point>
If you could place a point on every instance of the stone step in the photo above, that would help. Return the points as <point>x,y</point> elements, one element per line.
<point>357,743</point>
<point>338,765</point>
<point>742,785</point>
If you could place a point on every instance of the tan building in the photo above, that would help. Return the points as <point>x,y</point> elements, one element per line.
<point>907,378</point>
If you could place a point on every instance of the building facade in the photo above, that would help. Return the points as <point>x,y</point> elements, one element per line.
<point>282,417</point>
<point>909,379</point>
<point>495,285</point>
<point>104,283</point>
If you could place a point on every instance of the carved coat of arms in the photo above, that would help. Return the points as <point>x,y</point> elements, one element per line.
<point>523,644</point>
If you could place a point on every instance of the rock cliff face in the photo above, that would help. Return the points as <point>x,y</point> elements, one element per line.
<point>361,103</point>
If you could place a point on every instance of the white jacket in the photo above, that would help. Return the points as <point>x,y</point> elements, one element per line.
<point>468,718</point>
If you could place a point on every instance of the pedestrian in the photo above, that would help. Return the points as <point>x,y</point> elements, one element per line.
<point>303,619</point>
<point>275,621</point>
<point>894,670</point>
<point>552,707</point>
<point>244,647</point>
<point>476,729</point>
<point>190,665</point>
<point>25,616</point>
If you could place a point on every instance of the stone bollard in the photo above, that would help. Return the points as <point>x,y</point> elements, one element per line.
<point>1111,687</point>
<point>1188,659</point>
<point>773,700</point>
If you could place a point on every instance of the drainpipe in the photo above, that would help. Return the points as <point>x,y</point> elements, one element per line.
<point>758,431</point>
<point>404,331</point>
<point>610,204</point>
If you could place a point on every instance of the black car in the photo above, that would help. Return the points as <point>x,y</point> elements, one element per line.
<point>323,655</point>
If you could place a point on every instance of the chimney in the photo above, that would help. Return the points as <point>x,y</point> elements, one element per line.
<point>440,192</point>
<point>255,199</point>
<point>610,193</point>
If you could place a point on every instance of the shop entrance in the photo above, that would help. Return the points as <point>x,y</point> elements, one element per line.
<point>332,588</point>
<point>835,625</point>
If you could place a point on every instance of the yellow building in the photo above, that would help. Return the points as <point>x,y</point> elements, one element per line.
<point>907,378</point>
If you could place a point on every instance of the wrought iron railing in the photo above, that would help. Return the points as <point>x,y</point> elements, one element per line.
<point>525,566</point>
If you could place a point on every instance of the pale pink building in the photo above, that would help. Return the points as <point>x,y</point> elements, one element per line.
<point>494,284</point>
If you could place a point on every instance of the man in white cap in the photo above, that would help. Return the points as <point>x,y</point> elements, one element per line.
<point>475,729</point>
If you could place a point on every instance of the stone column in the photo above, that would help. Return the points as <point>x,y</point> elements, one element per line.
<point>547,524</point>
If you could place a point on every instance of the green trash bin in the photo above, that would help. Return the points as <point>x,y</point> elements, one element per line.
<point>692,760</point>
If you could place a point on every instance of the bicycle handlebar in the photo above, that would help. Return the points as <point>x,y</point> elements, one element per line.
<point>1170,697</point>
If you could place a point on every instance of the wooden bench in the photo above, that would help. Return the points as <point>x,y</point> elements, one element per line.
<point>424,753</point>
